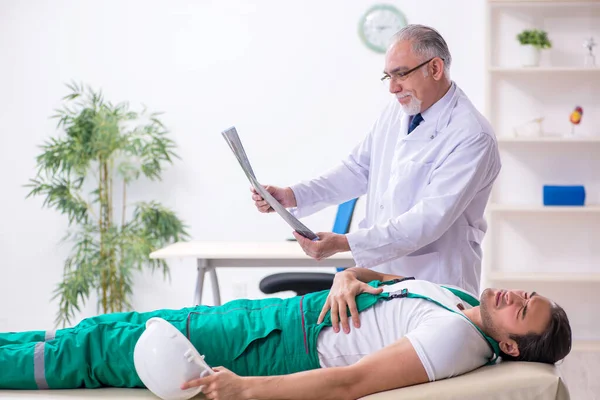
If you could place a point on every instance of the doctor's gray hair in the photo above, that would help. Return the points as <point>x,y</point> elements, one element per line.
<point>426,43</point>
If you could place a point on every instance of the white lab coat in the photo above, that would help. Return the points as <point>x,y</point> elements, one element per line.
<point>426,192</point>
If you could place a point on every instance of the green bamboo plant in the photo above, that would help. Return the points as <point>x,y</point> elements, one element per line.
<point>84,174</point>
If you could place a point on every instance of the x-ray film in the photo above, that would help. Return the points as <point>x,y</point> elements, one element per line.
<point>234,142</point>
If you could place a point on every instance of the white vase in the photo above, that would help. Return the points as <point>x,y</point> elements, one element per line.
<point>530,55</point>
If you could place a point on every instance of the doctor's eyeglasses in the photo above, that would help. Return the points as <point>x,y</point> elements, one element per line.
<point>402,75</point>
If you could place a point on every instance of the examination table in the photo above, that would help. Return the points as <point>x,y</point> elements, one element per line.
<point>504,381</point>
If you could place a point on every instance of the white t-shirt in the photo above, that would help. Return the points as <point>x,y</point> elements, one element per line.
<point>447,343</point>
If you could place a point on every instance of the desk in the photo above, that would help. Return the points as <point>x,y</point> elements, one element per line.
<point>211,255</point>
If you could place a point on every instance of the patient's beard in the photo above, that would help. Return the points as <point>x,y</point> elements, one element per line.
<point>486,317</point>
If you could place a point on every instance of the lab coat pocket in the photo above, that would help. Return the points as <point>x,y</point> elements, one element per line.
<point>364,223</point>
<point>422,266</point>
<point>408,183</point>
<point>474,234</point>
<point>474,238</point>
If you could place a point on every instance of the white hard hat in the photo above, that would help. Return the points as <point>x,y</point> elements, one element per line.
<point>164,359</point>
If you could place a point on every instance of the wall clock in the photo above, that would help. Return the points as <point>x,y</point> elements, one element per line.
<point>378,24</point>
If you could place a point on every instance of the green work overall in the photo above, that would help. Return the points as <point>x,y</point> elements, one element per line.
<point>250,337</point>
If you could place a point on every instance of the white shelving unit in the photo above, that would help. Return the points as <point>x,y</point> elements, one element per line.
<point>553,250</point>
<point>516,208</point>
<point>544,70</point>
<point>508,277</point>
<point>550,139</point>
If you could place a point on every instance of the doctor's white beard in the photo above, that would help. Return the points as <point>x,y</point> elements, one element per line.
<point>412,108</point>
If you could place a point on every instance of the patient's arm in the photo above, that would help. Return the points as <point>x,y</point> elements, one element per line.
<point>393,367</point>
<point>368,275</point>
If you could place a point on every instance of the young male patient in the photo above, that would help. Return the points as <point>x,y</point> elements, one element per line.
<point>410,332</point>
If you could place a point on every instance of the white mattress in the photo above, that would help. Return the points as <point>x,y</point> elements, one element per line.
<point>505,381</point>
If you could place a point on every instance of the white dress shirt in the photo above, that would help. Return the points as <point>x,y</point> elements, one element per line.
<point>426,192</point>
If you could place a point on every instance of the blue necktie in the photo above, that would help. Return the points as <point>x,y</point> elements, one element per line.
<point>416,120</point>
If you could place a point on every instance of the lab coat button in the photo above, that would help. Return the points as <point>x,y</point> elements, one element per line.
<point>381,206</point>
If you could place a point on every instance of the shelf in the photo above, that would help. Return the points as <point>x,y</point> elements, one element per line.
<point>530,246</point>
<point>544,277</point>
<point>518,208</point>
<point>544,3</point>
<point>549,139</point>
<point>529,70</point>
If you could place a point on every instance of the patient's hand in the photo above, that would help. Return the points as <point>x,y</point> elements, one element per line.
<point>224,384</point>
<point>342,297</point>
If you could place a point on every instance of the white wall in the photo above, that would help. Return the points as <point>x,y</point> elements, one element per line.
<point>292,76</point>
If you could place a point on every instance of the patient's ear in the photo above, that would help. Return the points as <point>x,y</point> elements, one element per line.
<point>509,347</point>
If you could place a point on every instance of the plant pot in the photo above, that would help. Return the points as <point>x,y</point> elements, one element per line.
<point>530,55</point>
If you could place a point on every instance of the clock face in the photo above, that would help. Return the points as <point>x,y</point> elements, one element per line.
<point>379,24</point>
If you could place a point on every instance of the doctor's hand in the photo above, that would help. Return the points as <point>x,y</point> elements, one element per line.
<point>328,244</point>
<point>342,297</point>
<point>285,196</point>
<point>222,385</point>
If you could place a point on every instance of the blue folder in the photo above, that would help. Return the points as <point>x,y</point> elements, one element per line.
<point>564,195</point>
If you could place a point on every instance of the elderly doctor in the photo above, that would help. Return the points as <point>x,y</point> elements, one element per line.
<point>427,166</point>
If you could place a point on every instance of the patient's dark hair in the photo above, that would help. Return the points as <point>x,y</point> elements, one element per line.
<point>548,347</point>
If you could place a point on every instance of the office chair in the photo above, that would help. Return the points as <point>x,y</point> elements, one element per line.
<point>308,282</point>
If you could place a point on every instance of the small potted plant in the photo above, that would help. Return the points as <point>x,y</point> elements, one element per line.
<point>532,42</point>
